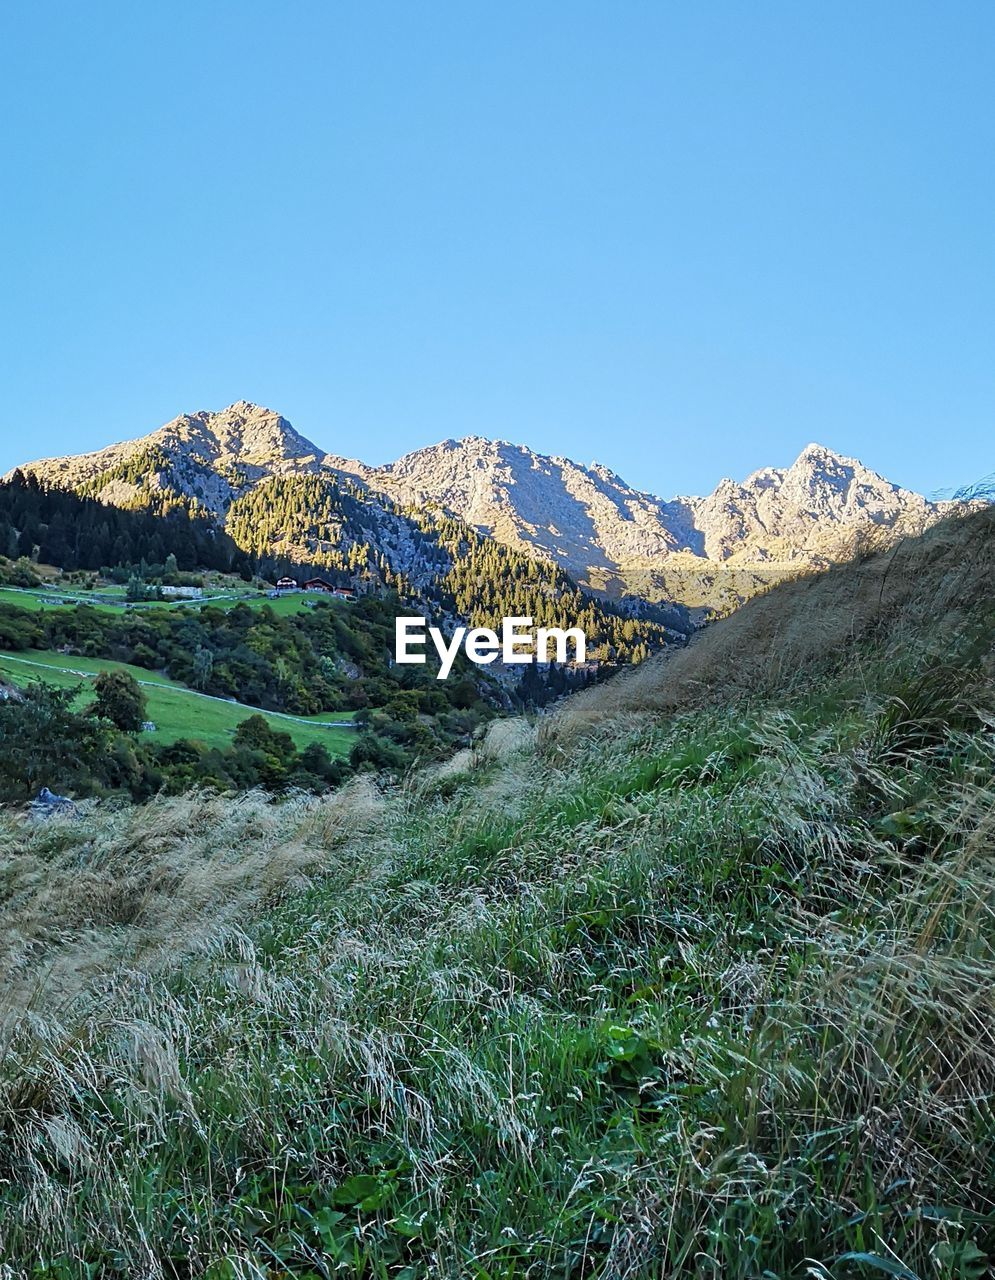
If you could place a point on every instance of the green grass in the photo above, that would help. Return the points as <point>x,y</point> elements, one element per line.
<point>702,994</point>
<point>176,711</point>
<point>112,600</point>
<point>694,1002</point>
<point>35,601</point>
<point>293,603</point>
<point>69,597</point>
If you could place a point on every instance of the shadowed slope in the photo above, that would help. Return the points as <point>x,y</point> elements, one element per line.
<point>916,593</point>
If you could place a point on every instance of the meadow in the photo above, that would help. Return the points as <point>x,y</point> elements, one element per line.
<point>112,600</point>
<point>177,712</point>
<point>694,977</point>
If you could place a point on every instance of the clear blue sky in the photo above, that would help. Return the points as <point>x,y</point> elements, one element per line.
<point>683,239</point>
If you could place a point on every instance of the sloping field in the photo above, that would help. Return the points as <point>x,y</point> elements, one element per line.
<point>108,600</point>
<point>176,711</point>
<point>112,600</point>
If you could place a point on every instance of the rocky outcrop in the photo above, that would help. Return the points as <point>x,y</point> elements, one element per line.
<point>820,509</point>
<point>210,456</point>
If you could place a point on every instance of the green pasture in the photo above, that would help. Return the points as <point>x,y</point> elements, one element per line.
<point>112,600</point>
<point>176,711</point>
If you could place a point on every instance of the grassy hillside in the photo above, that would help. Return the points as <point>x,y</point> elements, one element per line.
<point>112,600</point>
<point>697,980</point>
<point>177,712</point>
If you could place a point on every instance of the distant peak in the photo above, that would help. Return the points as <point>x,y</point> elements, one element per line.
<point>241,431</point>
<point>817,453</point>
<point>247,409</point>
<point>475,441</point>
<point>246,406</point>
<point>243,410</point>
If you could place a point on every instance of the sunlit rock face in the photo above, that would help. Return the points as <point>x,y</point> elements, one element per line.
<point>823,508</point>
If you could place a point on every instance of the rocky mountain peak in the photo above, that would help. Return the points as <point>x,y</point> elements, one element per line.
<point>206,455</point>
<point>242,433</point>
<point>818,455</point>
<point>821,507</point>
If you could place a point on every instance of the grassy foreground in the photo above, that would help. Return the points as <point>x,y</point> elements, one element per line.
<point>698,980</point>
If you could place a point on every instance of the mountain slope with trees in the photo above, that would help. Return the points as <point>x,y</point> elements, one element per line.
<point>606,534</point>
<point>303,523</point>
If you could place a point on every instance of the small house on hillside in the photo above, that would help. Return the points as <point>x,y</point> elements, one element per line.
<point>318,584</point>
<point>287,584</point>
<point>344,593</point>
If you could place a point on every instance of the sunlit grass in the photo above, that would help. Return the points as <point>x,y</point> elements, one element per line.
<point>176,711</point>
<point>703,993</point>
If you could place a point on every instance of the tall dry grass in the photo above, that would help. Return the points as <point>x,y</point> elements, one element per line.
<point>693,992</point>
<point>140,886</point>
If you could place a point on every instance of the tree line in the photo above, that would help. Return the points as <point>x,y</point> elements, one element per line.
<point>55,526</point>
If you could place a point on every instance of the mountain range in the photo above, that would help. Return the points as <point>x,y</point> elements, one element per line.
<point>609,536</point>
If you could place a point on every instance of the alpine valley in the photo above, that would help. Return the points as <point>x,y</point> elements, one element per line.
<point>144,615</point>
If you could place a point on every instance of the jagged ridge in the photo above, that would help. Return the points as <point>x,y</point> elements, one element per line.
<point>585,518</point>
